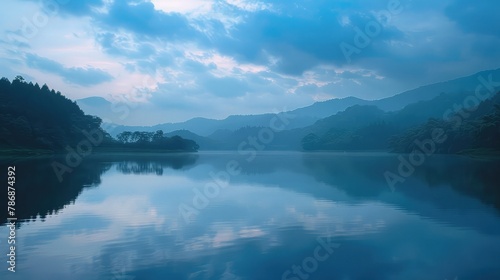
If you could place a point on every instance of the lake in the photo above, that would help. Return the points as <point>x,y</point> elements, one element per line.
<point>279,215</point>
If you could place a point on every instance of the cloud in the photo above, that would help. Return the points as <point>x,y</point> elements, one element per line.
<point>295,40</point>
<point>144,20</point>
<point>289,40</point>
<point>71,7</point>
<point>122,45</point>
<point>475,17</point>
<point>220,57</point>
<point>75,75</point>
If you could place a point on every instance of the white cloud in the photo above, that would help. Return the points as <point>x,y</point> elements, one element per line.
<point>250,6</point>
<point>191,7</point>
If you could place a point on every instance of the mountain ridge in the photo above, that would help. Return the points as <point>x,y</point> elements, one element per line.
<point>304,116</point>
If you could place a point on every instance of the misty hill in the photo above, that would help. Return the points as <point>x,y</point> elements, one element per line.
<point>474,129</point>
<point>206,127</point>
<point>369,128</point>
<point>428,92</point>
<point>327,108</point>
<point>97,106</point>
<point>303,117</point>
<point>202,126</point>
<point>399,101</point>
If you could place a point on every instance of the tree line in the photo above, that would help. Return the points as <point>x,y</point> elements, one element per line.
<point>156,139</point>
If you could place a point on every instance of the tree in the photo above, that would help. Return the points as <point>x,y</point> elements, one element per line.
<point>157,137</point>
<point>124,137</point>
<point>310,142</point>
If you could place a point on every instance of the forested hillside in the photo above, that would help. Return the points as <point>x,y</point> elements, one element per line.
<point>479,130</point>
<point>369,128</point>
<point>39,117</point>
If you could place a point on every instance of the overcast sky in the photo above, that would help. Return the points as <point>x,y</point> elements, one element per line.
<point>213,58</point>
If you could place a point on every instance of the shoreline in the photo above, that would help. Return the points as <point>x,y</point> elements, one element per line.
<point>486,154</point>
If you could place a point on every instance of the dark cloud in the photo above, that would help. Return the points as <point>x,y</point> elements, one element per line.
<point>480,17</point>
<point>297,43</point>
<point>301,41</point>
<point>426,42</point>
<point>76,75</point>
<point>290,41</point>
<point>144,20</point>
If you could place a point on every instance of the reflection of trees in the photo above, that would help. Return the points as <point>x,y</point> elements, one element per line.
<point>359,175</point>
<point>39,192</point>
<point>476,178</point>
<point>155,165</point>
<point>363,176</point>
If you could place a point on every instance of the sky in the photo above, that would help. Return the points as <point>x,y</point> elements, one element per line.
<point>214,58</point>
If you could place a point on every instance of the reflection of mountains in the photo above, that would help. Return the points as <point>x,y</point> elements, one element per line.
<point>354,174</point>
<point>39,192</point>
<point>147,165</point>
<point>476,178</point>
<point>449,189</point>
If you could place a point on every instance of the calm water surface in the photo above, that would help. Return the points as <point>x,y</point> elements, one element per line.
<point>284,216</point>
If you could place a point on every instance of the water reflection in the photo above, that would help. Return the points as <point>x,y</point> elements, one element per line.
<point>40,193</point>
<point>476,178</point>
<point>361,175</point>
<point>267,220</point>
<point>449,189</point>
<point>148,165</point>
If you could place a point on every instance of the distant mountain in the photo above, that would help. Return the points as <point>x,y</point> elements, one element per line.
<point>206,127</point>
<point>329,107</point>
<point>370,128</point>
<point>428,92</point>
<point>94,101</point>
<point>303,117</point>
<point>399,101</point>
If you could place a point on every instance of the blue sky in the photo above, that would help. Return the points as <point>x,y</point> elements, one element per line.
<point>213,58</point>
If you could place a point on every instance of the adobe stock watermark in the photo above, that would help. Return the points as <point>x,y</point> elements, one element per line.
<point>427,147</point>
<point>310,264</point>
<point>221,179</point>
<point>75,155</point>
<point>363,37</point>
